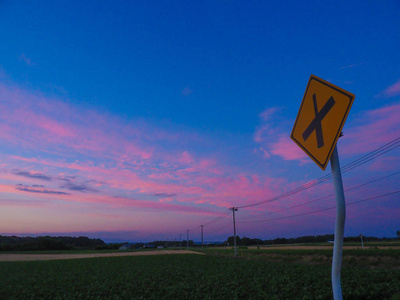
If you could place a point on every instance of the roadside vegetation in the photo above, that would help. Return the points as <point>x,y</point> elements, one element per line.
<point>372,258</point>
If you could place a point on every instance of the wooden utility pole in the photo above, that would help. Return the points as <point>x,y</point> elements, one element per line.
<point>233,209</point>
<point>201,236</point>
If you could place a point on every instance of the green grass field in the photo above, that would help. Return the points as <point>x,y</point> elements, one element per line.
<point>218,275</point>
<point>369,258</point>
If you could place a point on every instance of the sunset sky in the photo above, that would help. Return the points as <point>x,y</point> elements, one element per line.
<point>138,121</point>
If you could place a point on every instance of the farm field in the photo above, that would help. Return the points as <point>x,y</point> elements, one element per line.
<point>346,245</point>
<point>254,274</point>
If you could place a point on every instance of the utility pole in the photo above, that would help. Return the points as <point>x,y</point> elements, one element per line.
<point>187,239</point>
<point>180,240</point>
<point>233,209</point>
<point>201,236</point>
<point>362,242</point>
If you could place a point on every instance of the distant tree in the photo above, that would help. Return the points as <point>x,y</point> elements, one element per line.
<point>280,241</point>
<point>398,234</point>
<point>184,243</point>
<point>231,239</point>
<point>245,241</point>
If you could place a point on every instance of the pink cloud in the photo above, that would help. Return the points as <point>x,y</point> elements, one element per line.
<point>34,193</point>
<point>267,131</point>
<point>40,123</point>
<point>186,158</point>
<point>268,113</point>
<point>36,122</point>
<point>260,132</point>
<point>287,149</point>
<point>367,131</point>
<point>371,129</point>
<point>91,157</point>
<point>91,198</point>
<point>126,179</point>
<point>22,203</point>
<point>272,138</point>
<point>50,126</point>
<point>162,176</point>
<point>392,91</point>
<point>265,152</point>
<point>385,164</point>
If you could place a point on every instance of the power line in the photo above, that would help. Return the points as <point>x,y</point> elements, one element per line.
<point>216,227</point>
<point>220,227</point>
<point>219,218</point>
<point>320,210</point>
<point>194,228</point>
<point>372,181</point>
<point>358,162</point>
<point>373,154</point>
<point>328,196</point>
<point>223,223</point>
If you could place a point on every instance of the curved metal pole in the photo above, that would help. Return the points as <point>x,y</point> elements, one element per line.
<point>339,227</point>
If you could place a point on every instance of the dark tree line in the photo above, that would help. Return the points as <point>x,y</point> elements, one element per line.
<point>167,244</point>
<point>15,243</point>
<point>245,241</point>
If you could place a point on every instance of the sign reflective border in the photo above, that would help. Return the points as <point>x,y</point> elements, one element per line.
<point>320,119</point>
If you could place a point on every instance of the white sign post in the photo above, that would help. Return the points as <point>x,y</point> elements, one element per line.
<point>339,226</point>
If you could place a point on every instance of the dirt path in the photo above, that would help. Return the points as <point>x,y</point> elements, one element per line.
<point>29,257</point>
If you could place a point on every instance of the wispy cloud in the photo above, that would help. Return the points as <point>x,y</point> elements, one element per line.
<point>273,136</point>
<point>103,155</point>
<point>81,159</point>
<point>287,149</point>
<point>352,66</point>
<point>164,195</point>
<point>362,133</point>
<point>268,127</point>
<point>82,187</point>
<point>269,113</point>
<point>22,203</point>
<point>38,189</point>
<point>33,175</point>
<point>37,123</point>
<point>26,60</point>
<point>371,129</point>
<point>391,91</point>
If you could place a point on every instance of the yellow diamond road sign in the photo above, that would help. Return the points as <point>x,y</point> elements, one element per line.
<point>320,120</point>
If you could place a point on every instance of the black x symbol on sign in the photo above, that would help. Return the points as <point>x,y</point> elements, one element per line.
<point>316,122</point>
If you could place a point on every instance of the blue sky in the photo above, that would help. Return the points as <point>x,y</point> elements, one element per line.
<point>183,109</point>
